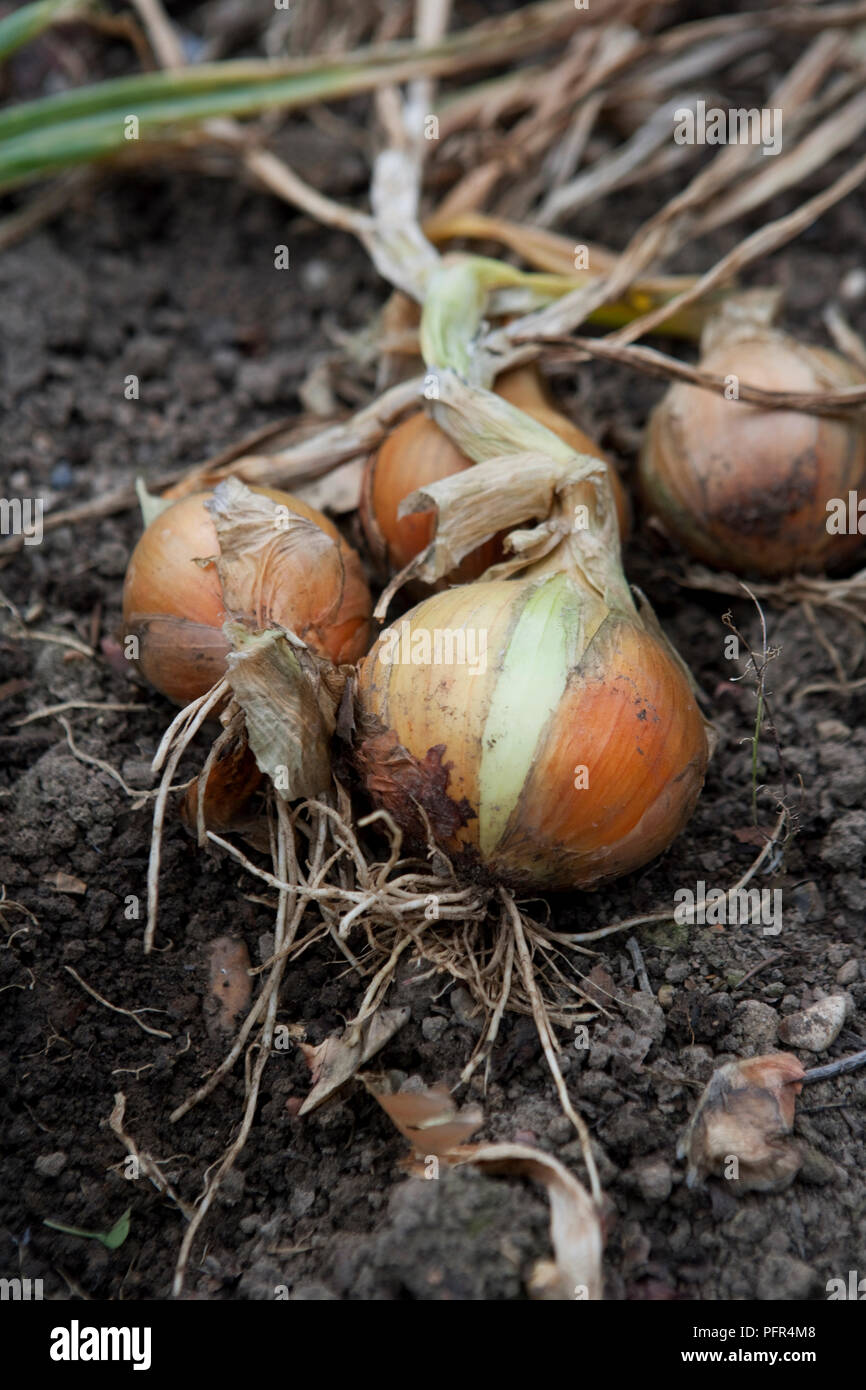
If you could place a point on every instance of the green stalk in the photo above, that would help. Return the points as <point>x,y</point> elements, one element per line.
<point>484,426</point>
<point>454,307</point>
<point>39,137</point>
<point>30,21</point>
<point>74,127</point>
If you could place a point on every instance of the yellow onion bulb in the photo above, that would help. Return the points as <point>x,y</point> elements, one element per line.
<point>550,742</point>
<point>418,453</point>
<point>747,489</point>
<point>174,602</point>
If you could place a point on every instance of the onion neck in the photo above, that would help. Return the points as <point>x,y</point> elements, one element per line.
<point>487,426</point>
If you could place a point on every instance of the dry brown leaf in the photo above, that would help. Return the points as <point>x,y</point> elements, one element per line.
<point>741,1127</point>
<point>429,1119</point>
<point>229,983</point>
<point>337,1059</point>
<point>64,883</point>
<point>575,1226</point>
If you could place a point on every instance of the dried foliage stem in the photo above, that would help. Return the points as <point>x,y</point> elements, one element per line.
<point>549,1043</point>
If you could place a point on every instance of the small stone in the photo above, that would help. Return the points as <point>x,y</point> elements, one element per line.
<point>665,996</point>
<point>50,1165</point>
<point>808,901</point>
<point>848,973</point>
<point>654,1180</point>
<point>832,729</point>
<point>301,1202</point>
<point>844,846</point>
<point>677,972</point>
<point>817,1027</point>
<point>433,1027</point>
<point>853,284</point>
<point>560,1130</point>
<point>149,356</point>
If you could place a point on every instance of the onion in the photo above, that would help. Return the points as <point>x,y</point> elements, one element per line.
<point>418,452</point>
<point>747,489</point>
<point>537,726</point>
<point>290,569</point>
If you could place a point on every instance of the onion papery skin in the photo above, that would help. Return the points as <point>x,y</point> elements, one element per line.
<point>746,489</point>
<point>492,758</point>
<point>175,606</point>
<point>418,453</point>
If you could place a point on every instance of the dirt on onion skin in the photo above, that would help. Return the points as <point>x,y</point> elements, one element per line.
<point>173,279</point>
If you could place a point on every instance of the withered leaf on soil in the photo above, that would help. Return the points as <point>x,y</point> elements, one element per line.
<point>575,1227</point>
<point>337,1059</point>
<point>742,1125</point>
<point>427,1118</point>
<point>64,883</point>
<point>229,983</point>
<point>434,1126</point>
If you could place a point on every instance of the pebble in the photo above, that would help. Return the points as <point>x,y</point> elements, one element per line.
<point>848,973</point>
<point>654,1179</point>
<point>677,971</point>
<point>302,1200</point>
<point>149,356</point>
<point>50,1165</point>
<point>817,1027</point>
<point>829,729</point>
<point>808,901</point>
<point>560,1130</point>
<point>853,284</point>
<point>666,996</point>
<point>433,1027</point>
<point>844,847</point>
